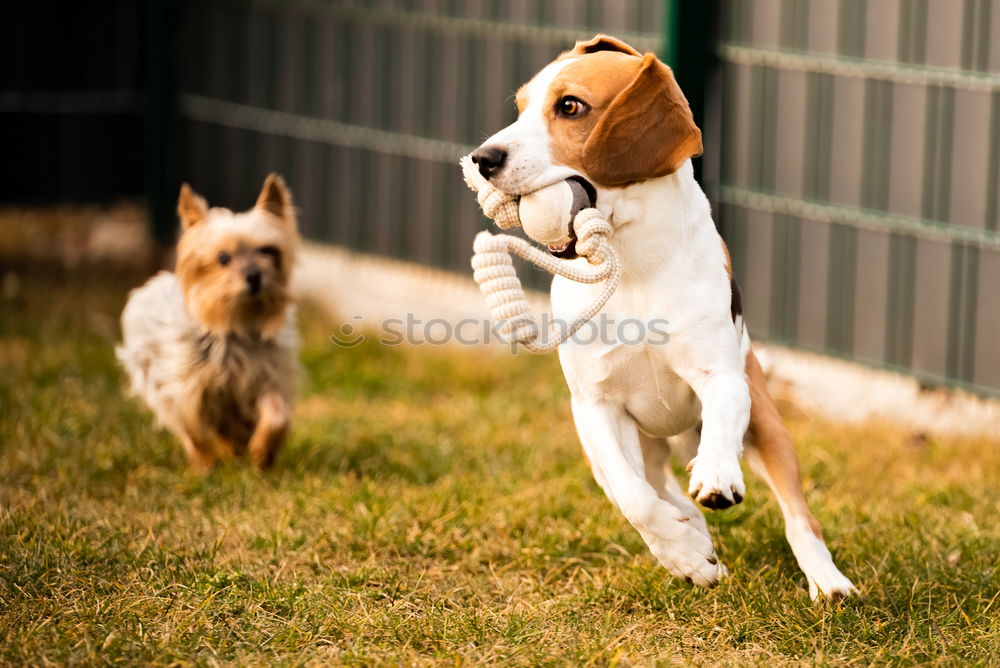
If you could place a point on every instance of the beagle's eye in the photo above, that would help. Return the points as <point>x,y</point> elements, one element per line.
<point>571,106</point>
<point>225,258</point>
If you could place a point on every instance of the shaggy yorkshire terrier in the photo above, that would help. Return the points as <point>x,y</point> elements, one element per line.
<point>212,348</point>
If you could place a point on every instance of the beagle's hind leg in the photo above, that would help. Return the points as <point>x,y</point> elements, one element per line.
<point>771,455</point>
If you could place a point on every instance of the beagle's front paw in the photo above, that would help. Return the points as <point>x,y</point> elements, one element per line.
<point>679,544</point>
<point>715,484</point>
<point>690,556</point>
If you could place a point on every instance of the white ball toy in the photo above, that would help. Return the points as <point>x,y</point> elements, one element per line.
<point>546,213</point>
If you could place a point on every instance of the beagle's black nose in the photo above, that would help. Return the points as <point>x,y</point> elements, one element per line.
<point>490,159</point>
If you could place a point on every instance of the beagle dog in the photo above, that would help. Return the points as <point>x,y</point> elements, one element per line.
<point>607,114</point>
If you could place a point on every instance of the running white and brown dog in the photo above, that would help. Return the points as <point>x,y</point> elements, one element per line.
<point>607,114</point>
<point>212,348</point>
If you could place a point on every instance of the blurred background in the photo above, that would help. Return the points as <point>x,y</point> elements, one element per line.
<point>852,147</point>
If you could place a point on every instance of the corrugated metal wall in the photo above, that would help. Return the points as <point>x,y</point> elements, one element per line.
<point>366,106</point>
<point>854,148</point>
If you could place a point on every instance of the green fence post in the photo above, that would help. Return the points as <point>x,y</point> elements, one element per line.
<point>687,48</point>
<point>671,33</point>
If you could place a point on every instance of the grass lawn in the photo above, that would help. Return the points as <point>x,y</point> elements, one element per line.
<point>431,506</point>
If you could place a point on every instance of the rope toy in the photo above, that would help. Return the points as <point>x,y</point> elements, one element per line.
<point>494,268</point>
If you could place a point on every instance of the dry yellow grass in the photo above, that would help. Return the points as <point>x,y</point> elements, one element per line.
<point>432,507</point>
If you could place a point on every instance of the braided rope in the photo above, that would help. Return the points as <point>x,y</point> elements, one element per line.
<point>493,266</point>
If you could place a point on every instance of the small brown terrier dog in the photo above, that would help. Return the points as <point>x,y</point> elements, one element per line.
<point>212,348</point>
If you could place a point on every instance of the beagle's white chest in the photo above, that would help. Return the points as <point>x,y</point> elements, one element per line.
<point>624,360</point>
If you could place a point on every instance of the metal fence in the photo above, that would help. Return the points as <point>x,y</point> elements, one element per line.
<point>366,107</point>
<point>852,146</point>
<point>855,154</point>
<point>71,101</point>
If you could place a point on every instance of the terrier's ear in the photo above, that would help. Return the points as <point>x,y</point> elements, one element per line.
<point>275,198</point>
<point>191,207</point>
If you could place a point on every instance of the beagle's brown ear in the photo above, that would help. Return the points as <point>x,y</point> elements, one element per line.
<point>275,198</point>
<point>191,207</point>
<point>647,131</point>
<point>602,43</point>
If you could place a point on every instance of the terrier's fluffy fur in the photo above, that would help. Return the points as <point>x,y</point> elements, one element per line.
<point>212,348</point>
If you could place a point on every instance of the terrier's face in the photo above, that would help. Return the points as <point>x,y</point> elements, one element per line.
<point>235,268</point>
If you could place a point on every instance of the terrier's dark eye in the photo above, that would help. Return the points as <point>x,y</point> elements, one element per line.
<point>225,258</point>
<point>271,251</point>
<point>571,106</point>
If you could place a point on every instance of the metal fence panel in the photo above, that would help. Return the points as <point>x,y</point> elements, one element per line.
<point>853,149</point>
<point>365,107</point>
<point>858,178</point>
<point>72,97</point>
